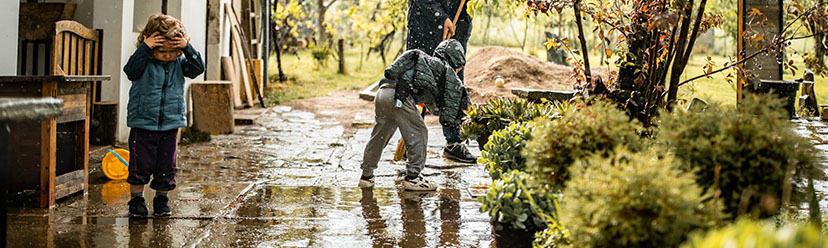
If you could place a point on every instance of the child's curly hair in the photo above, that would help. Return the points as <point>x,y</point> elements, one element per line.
<point>167,26</point>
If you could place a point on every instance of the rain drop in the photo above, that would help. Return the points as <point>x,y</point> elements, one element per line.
<point>436,13</point>
<point>440,27</point>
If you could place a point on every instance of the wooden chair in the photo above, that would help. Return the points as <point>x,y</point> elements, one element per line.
<point>53,157</point>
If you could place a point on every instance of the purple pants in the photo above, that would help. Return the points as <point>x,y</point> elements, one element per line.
<point>152,153</point>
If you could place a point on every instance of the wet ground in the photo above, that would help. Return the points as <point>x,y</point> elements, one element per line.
<point>288,180</point>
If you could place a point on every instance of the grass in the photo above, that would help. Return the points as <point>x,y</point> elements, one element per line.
<point>308,79</point>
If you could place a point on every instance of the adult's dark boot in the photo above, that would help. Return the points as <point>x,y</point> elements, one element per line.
<point>459,152</point>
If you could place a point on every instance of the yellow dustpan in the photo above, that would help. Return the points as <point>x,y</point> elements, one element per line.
<point>115,165</point>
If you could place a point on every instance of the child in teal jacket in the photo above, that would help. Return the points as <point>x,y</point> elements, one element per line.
<point>156,109</point>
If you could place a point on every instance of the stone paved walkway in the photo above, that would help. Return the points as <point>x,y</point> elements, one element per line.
<point>288,180</point>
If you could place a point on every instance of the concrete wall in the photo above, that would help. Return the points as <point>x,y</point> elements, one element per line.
<point>115,17</point>
<point>9,13</point>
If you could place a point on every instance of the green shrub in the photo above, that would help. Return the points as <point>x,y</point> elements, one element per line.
<point>556,144</point>
<point>632,200</point>
<point>516,202</point>
<point>553,236</point>
<point>748,233</point>
<point>502,152</point>
<point>754,146</point>
<point>482,120</point>
<point>321,55</point>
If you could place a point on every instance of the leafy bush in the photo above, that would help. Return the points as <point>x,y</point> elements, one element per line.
<point>747,233</point>
<point>516,202</point>
<point>553,236</point>
<point>321,55</point>
<point>482,120</point>
<point>754,146</point>
<point>502,152</point>
<point>556,144</point>
<point>632,200</point>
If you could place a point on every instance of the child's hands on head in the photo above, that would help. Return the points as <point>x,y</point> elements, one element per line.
<point>178,42</point>
<point>155,40</point>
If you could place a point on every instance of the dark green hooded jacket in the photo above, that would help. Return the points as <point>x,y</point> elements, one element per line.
<point>432,80</point>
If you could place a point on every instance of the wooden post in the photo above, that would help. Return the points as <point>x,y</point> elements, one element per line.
<point>341,50</point>
<point>213,107</point>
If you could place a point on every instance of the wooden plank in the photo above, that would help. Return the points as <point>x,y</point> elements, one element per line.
<point>230,75</point>
<point>73,101</point>
<point>57,56</point>
<point>242,70</point>
<point>69,183</point>
<point>60,79</point>
<point>48,146</point>
<point>75,28</point>
<point>72,114</point>
<point>73,56</point>
<point>24,156</point>
<point>66,53</point>
<point>256,71</point>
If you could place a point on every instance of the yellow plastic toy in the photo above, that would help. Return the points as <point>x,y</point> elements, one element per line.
<point>115,165</point>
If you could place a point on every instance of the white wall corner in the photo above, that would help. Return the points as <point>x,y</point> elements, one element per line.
<point>9,14</point>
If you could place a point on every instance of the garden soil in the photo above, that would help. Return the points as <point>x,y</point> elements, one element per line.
<point>518,70</point>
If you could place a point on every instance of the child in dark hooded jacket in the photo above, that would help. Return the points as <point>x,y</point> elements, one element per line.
<point>414,78</point>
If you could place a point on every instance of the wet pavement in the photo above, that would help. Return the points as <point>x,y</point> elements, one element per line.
<point>288,180</point>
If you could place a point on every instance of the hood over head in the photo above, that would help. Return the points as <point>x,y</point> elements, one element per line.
<point>452,52</point>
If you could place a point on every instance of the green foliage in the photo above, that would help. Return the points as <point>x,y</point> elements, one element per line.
<point>556,144</point>
<point>482,120</point>
<point>552,237</point>
<point>502,152</point>
<point>748,233</point>
<point>189,136</point>
<point>632,200</point>
<point>515,201</point>
<point>754,146</point>
<point>321,55</point>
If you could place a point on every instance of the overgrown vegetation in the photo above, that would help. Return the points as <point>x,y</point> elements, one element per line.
<point>518,203</point>
<point>503,151</point>
<point>632,200</point>
<point>482,120</point>
<point>595,129</point>
<point>749,233</point>
<point>751,146</point>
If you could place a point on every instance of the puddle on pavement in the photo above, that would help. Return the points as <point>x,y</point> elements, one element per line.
<point>308,197</point>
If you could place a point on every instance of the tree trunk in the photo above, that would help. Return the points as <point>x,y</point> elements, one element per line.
<point>577,8</point>
<point>486,33</point>
<point>525,35</point>
<point>320,19</point>
<point>275,36</point>
<point>164,7</point>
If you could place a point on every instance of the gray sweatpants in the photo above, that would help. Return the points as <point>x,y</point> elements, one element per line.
<point>388,119</point>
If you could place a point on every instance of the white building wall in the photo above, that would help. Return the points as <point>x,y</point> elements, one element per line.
<point>115,17</point>
<point>9,13</point>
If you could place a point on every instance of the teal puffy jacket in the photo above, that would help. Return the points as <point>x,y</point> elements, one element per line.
<point>156,97</point>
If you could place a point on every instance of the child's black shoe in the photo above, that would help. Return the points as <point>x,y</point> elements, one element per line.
<point>137,207</point>
<point>161,206</point>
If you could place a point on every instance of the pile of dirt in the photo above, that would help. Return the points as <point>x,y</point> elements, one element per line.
<point>518,70</point>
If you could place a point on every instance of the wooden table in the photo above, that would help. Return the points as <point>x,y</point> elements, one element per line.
<point>51,156</point>
<point>17,110</point>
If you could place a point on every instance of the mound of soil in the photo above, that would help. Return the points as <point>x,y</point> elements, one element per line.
<point>518,70</point>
